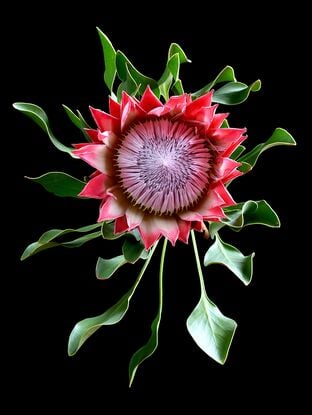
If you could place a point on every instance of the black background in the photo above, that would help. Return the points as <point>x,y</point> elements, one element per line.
<point>54,58</point>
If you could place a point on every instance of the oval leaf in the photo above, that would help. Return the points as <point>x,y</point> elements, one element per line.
<point>132,250</point>
<point>59,183</point>
<point>226,254</point>
<point>40,117</point>
<point>211,330</point>
<point>226,75</point>
<point>109,60</point>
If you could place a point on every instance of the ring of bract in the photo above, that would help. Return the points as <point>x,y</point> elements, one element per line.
<point>163,165</point>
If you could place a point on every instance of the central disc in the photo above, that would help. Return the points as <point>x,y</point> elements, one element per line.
<point>163,165</point>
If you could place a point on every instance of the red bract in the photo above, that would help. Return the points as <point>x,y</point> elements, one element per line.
<point>161,168</point>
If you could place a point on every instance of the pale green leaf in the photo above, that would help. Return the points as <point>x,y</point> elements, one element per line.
<point>226,254</point>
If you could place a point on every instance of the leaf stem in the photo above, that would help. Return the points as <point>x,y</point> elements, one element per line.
<point>147,261</point>
<point>199,269</point>
<point>161,272</point>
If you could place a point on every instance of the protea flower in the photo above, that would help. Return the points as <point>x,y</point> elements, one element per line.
<point>161,168</point>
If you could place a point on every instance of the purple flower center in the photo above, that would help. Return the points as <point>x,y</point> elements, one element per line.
<point>163,165</point>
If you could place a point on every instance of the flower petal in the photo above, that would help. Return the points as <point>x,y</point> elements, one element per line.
<point>104,121</point>
<point>93,134</point>
<point>98,156</point>
<point>96,187</point>
<point>130,111</point>
<point>152,227</point>
<point>121,224</point>
<point>114,108</point>
<point>176,105</point>
<point>194,106</point>
<point>222,191</point>
<point>225,140</point>
<point>226,169</point>
<point>184,228</point>
<point>149,232</point>
<point>134,217</point>
<point>149,100</point>
<point>218,120</point>
<point>112,208</point>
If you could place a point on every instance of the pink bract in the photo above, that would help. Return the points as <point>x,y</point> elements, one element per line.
<point>161,168</point>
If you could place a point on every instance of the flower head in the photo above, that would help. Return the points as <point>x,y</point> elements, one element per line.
<point>161,168</point>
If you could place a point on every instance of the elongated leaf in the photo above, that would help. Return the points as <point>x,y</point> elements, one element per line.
<point>226,254</point>
<point>145,351</point>
<point>85,328</point>
<point>234,93</point>
<point>236,153</point>
<point>40,117</point>
<point>210,329</point>
<point>49,239</point>
<point>278,138</point>
<point>60,184</point>
<point>174,66</point>
<point>245,214</point>
<point>128,85</point>
<point>78,121</point>
<point>109,60</point>
<point>177,88</point>
<point>124,66</point>
<point>226,75</point>
<point>105,268</point>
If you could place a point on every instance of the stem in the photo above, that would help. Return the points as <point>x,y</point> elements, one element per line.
<point>147,261</point>
<point>199,269</point>
<point>161,272</point>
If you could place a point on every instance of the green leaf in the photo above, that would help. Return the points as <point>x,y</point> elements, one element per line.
<point>40,118</point>
<point>170,73</point>
<point>234,93</point>
<point>128,85</point>
<point>245,214</point>
<point>60,184</point>
<point>105,268</point>
<point>225,124</point>
<point>149,348</point>
<point>85,328</point>
<point>48,239</point>
<point>132,250</point>
<point>177,88</point>
<point>125,69</point>
<point>174,66</point>
<point>226,254</point>
<point>175,48</point>
<point>108,231</point>
<point>109,60</point>
<point>210,329</point>
<point>78,121</point>
<point>226,75</point>
<point>278,138</point>
<point>236,153</point>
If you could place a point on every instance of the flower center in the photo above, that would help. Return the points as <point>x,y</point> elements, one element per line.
<point>163,165</point>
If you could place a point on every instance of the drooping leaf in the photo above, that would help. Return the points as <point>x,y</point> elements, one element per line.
<point>125,67</point>
<point>59,183</point>
<point>234,93</point>
<point>211,330</point>
<point>85,328</point>
<point>226,75</point>
<point>109,60</point>
<point>105,268</point>
<point>226,254</point>
<point>278,138</point>
<point>50,239</point>
<point>40,117</point>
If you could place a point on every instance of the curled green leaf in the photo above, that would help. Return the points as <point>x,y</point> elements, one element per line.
<point>40,118</point>
<point>234,93</point>
<point>226,254</point>
<point>226,75</point>
<point>278,138</point>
